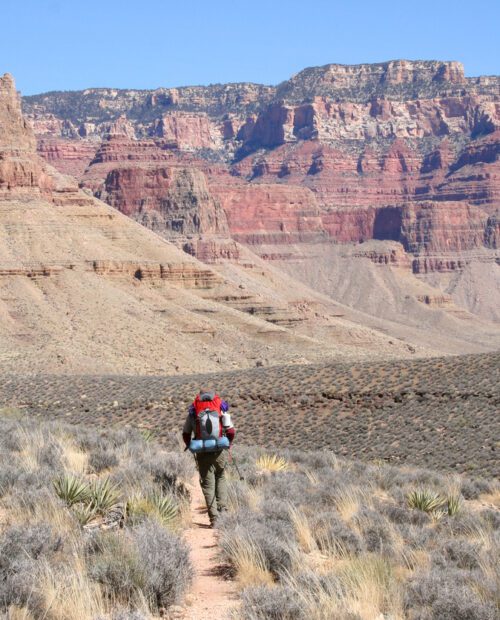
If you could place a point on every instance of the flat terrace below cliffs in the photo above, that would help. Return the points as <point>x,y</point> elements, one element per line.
<point>438,413</point>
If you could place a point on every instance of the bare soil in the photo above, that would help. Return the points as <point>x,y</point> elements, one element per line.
<point>212,595</point>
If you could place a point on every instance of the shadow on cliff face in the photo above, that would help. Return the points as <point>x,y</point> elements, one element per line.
<point>387,224</point>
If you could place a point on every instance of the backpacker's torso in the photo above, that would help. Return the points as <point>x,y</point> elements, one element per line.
<point>207,418</point>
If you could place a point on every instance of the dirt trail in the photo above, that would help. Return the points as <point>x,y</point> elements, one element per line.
<point>211,596</point>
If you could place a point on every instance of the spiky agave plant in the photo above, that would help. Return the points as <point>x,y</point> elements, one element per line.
<point>104,495</point>
<point>453,505</point>
<point>426,500</point>
<point>155,504</point>
<point>147,434</point>
<point>71,489</point>
<point>166,506</point>
<point>271,462</point>
<point>84,513</point>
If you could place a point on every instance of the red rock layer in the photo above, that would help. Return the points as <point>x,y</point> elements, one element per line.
<point>404,151</point>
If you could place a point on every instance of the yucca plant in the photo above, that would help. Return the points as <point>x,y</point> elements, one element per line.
<point>426,500</point>
<point>166,506</point>
<point>453,505</point>
<point>147,434</point>
<point>154,504</point>
<point>271,462</point>
<point>71,489</point>
<point>85,513</point>
<point>104,495</point>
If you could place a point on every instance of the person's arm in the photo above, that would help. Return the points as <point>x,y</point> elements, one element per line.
<point>227,424</point>
<point>187,429</point>
<point>230,434</point>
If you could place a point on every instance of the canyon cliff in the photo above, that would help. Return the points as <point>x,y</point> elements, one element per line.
<point>85,289</point>
<point>402,151</point>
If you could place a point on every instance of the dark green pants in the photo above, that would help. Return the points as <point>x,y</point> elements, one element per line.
<point>213,481</point>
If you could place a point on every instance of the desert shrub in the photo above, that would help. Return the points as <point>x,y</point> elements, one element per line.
<point>128,614</point>
<point>91,439</point>
<point>491,518</point>
<point>9,438</point>
<point>288,486</point>
<point>424,589</point>
<point>43,570</point>
<point>100,460</point>
<point>312,460</point>
<point>462,604</point>
<point>115,563</point>
<point>169,470</point>
<point>276,510</point>
<point>271,603</point>
<point>473,488</point>
<point>389,478</point>
<point>377,532</point>
<point>241,496</point>
<point>165,559</point>
<point>131,475</point>
<point>332,535</point>
<point>461,524</point>
<point>22,552</point>
<point>9,475</point>
<point>404,516</point>
<point>458,552</point>
<point>146,562</point>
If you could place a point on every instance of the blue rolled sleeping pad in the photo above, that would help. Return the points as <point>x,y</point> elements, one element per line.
<point>208,445</point>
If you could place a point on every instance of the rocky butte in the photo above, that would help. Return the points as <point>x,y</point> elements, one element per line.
<point>338,168</point>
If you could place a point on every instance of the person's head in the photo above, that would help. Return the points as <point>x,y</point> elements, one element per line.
<point>206,394</point>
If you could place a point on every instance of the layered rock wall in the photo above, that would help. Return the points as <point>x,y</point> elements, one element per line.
<point>401,151</point>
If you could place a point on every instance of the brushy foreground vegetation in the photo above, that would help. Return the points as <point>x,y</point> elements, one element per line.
<point>313,537</point>
<point>91,528</point>
<point>90,522</point>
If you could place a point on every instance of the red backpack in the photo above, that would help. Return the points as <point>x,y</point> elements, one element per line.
<point>207,416</point>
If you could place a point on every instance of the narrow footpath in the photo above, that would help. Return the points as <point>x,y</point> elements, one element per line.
<point>211,596</point>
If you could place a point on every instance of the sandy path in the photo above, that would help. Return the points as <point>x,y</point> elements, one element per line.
<point>211,596</point>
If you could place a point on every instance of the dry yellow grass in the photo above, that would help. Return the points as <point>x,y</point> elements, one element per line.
<point>303,532</point>
<point>368,591</point>
<point>19,613</point>
<point>349,501</point>
<point>249,563</point>
<point>250,497</point>
<point>312,477</point>
<point>70,594</point>
<point>74,458</point>
<point>271,463</point>
<point>372,588</point>
<point>50,511</point>
<point>30,445</point>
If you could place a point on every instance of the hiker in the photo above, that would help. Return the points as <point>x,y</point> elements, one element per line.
<point>208,433</point>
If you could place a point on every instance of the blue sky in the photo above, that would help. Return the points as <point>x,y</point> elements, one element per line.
<point>73,44</point>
